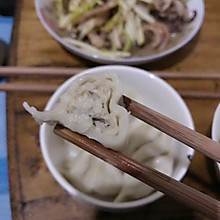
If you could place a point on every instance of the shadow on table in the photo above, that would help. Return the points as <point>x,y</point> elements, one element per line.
<point>163,209</point>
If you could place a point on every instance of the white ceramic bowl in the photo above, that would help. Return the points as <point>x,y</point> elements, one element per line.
<point>158,95</point>
<point>216,134</point>
<point>50,24</point>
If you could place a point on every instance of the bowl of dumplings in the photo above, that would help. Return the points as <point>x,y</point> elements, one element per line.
<point>89,104</point>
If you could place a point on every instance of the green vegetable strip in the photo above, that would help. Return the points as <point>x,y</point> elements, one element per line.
<point>112,22</point>
<point>81,10</point>
<point>128,42</point>
<point>60,9</point>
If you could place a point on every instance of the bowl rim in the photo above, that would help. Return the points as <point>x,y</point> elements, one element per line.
<point>82,196</point>
<point>216,118</point>
<point>215,136</point>
<point>132,60</point>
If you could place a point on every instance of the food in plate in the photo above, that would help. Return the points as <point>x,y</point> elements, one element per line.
<point>118,28</point>
<point>90,106</point>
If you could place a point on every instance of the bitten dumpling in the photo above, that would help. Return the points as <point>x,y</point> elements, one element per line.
<point>90,107</point>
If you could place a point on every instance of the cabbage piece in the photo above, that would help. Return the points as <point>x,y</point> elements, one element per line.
<point>130,26</point>
<point>144,14</point>
<point>113,21</point>
<point>60,9</point>
<point>73,4</point>
<point>86,27</point>
<point>127,5</point>
<point>116,38</point>
<point>91,49</point>
<point>65,22</point>
<point>140,36</point>
<point>147,1</point>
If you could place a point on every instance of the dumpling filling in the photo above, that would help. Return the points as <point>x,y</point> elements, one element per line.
<point>90,106</point>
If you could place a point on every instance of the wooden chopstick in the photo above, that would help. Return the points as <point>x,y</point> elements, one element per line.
<point>169,186</point>
<point>69,71</point>
<point>174,129</point>
<point>37,87</point>
<point>27,87</point>
<point>199,94</point>
<point>39,71</point>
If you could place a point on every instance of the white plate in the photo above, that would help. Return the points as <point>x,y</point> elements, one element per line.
<point>216,133</point>
<point>50,25</point>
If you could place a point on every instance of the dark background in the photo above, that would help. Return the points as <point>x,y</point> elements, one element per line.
<point>7,7</point>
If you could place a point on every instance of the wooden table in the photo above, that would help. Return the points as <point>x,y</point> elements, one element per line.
<point>34,192</point>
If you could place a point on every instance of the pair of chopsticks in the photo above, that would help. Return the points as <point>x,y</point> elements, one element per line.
<point>167,185</point>
<point>68,71</point>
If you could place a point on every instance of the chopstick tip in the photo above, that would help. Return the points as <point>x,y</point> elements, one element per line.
<point>125,101</point>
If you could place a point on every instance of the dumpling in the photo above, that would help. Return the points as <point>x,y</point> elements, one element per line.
<point>135,189</point>
<point>83,171</point>
<point>90,107</point>
<point>107,184</point>
<point>132,189</point>
<point>156,153</point>
<point>161,145</point>
<point>139,133</point>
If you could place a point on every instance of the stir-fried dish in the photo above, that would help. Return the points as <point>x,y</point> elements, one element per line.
<point>113,28</point>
